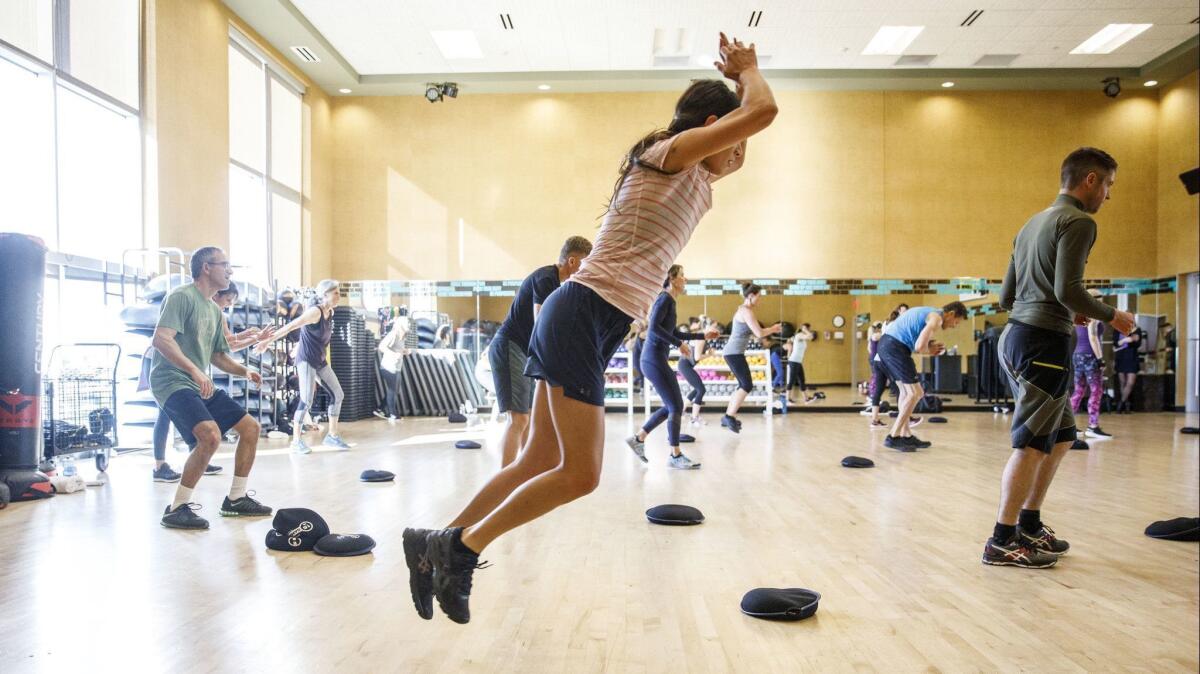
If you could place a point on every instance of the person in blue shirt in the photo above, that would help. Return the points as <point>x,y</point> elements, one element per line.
<point>912,332</point>
<point>661,336</point>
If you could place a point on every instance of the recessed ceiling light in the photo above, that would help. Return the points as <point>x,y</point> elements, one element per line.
<point>544,87</point>
<point>1110,38</point>
<point>1150,83</point>
<point>892,40</point>
<point>457,44</point>
<point>947,85</point>
<point>343,91</point>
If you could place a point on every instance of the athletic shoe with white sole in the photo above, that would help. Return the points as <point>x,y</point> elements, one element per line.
<point>335,441</point>
<point>420,572</point>
<point>1016,553</point>
<point>212,469</point>
<point>1097,432</point>
<point>866,411</point>
<point>681,462</point>
<point>697,422</point>
<point>1044,540</point>
<point>638,447</point>
<point>183,517</point>
<point>300,447</point>
<point>164,474</point>
<point>244,507</point>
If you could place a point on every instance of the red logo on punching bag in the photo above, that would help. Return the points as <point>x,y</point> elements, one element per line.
<point>18,411</point>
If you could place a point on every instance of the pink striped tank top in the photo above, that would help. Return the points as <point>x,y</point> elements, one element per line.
<point>651,220</point>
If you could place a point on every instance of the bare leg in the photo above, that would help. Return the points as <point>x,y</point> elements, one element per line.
<point>735,402</point>
<point>909,395</point>
<point>580,431</point>
<point>243,458</point>
<point>1044,476</point>
<point>208,438</point>
<point>1017,483</point>
<point>539,455</point>
<point>515,431</point>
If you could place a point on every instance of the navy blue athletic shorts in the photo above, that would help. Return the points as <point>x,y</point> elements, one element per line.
<point>186,408</point>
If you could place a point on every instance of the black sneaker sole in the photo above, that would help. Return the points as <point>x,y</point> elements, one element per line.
<point>1006,562</point>
<point>234,513</point>
<point>183,528</point>
<point>412,558</point>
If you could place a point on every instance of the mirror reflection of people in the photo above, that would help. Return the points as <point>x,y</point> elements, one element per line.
<point>392,352</point>
<point>315,326</point>
<point>796,348</point>
<point>1125,355</point>
<point>745,324</point>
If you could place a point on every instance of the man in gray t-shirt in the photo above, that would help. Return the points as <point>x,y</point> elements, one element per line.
<point>1043,290</point>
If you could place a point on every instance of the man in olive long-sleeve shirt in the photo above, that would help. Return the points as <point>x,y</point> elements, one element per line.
<point>1043,290</point>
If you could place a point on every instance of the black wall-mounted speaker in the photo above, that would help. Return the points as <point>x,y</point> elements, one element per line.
<point>1191,180</point>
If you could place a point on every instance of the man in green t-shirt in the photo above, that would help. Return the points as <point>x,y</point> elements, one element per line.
<point>188,338</point>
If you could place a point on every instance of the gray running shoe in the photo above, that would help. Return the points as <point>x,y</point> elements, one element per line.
<point>164,474</point>
<point>300,447</point>
<point>639,448</point>
<point>183,517</point>
<point>335,441</point>
<point>681,462</point>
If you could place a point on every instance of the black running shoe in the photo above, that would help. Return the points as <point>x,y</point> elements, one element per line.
<point>1097,432</point>
<point>1016,553</point>
<point>1044,540</point>
<point>183,517</point>
<point>452,571</point>
<point>164,474</point>
<point>731,423</point>
<point>420,572</point>
<point>1080,444</point>
<point>211,469</point>
<point>244,507</point>
<point>898,444</point>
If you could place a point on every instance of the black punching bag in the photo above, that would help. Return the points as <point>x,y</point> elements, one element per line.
<point>22,282</point>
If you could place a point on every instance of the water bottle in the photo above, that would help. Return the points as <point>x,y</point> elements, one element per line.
<point>68,465</point>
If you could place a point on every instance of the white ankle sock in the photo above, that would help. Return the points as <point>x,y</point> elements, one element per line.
<point>238,489</point>
<point>182,495</point>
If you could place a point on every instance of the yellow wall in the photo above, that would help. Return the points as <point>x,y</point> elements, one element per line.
<point>1179,151</point>
<point>844,184</point>
<point>186,102</point>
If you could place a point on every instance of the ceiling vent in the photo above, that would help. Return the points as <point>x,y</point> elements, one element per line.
<point>916,59</point>
<point>755,17</point>
<point>506,21</point>
<point>971,18</point>
<point>306,54</point>
<point>995,60</point>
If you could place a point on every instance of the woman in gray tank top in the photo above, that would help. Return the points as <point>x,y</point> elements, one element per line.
<point>745,323</point>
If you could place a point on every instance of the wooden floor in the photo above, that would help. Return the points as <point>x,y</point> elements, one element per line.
<point>91,581</point>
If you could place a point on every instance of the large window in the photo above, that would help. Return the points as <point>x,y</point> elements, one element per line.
<point>70,133</point>
<point>265,169</point>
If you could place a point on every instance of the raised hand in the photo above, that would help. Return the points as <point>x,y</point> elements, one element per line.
<point>735,58</point>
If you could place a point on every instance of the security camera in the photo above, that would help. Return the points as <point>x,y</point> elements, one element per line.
<point>1112,87</point>
<point>433,93</point>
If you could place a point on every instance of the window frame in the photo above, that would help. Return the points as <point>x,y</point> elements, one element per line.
<point>60,41</point>
<point>272,72</point>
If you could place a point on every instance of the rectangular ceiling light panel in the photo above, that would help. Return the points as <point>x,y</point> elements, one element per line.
<point>892,40</point>
<point>457,44</point>
<point>1110,38</point>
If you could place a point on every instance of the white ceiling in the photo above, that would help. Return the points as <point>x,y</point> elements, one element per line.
<point>392,37</point>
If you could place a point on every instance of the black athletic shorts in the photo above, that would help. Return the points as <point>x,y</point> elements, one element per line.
<point>1037,364</point>
<point>897,360</point>
<point>185,408</point>
<point>575,335</point>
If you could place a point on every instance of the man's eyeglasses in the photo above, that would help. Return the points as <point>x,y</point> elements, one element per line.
<point>224,264</point>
